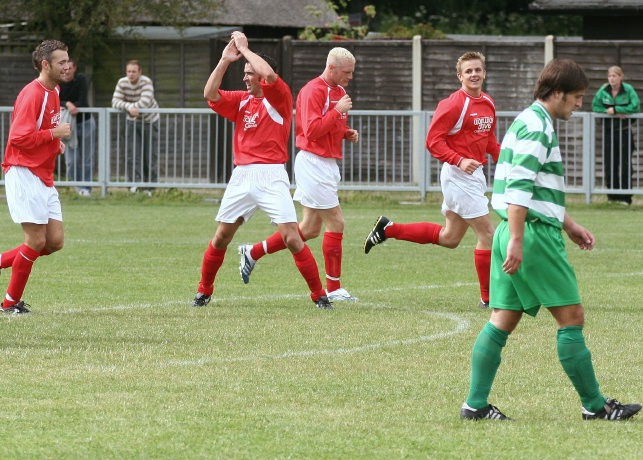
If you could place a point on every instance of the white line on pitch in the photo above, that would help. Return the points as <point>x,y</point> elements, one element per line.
<point>237,298</point>
<point>461,325</point>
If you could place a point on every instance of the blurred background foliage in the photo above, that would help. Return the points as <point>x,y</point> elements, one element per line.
<point>436,18</point>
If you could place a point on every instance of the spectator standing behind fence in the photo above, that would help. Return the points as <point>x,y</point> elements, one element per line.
<point>29,162</point>
<point>321,127</point>
<point>79,154</point>
<point>461,134</point>
<point>133,92</point>
<point>262,116</point>
<point>529,265</point>
<point>619,99</point>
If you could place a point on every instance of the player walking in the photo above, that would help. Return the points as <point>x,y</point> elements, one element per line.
<point>529,266</point>
<point>29,162</point>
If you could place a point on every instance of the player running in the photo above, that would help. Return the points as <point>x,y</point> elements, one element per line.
<point>461,134</point>
<point>321,127</point>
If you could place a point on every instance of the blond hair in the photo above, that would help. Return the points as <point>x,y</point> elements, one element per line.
<point>617,70</point>
<point>470,56</point>
<point>338,55</point>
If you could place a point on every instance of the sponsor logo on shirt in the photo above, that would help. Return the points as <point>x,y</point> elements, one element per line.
<point>250,121</point>
<point>483,124</point>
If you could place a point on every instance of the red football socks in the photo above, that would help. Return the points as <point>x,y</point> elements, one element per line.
<point>271,245</point>
<point>482,258</point>
<point>418,232</point>
<point>332,250</point>
<point>20,270</point>
<point>308,268</point>
<point>212,261</point>
<point>6,258</point>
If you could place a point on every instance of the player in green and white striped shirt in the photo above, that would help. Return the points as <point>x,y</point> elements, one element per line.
<point>529,265</point>
<point>529,172</point>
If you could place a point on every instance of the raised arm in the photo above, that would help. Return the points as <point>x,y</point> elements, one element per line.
<point>230,54</point>
<point>259,65</point>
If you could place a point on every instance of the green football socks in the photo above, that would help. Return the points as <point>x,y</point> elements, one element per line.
<point>573,354</point>
<point>485,360</point>
<point>577,363</point>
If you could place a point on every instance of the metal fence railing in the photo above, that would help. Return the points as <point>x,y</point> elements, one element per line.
<point>192,148</point>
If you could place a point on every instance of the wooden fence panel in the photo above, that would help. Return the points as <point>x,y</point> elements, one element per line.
<point>15,72</point>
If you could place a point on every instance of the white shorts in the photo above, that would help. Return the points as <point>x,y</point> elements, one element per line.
<point>29,199</point>
<point>253,187</point>
<point>317,181</point>
<point>464,194</point>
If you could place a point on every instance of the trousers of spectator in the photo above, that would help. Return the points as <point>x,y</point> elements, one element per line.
<point>617,156</point>
<point>80,159</point>
<point>141,150</point>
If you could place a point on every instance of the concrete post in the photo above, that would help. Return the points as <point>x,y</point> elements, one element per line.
<point>549,48</point>
<point>417,105</point>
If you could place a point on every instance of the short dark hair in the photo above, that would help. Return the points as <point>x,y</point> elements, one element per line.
<point>560,75</point>
<point>135,62</point>
<point>44,51</point>
<point>271,62</point>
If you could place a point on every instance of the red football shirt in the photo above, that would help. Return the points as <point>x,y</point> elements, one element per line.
<point>463,126</point>
<point>262,124</point>
<point>319,128</point>
<point>31,143</point>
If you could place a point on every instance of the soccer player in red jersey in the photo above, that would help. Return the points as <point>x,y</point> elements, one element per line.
<point>262,117</point>
<point>29,162</point>
<point>321,127</point>
<point>461,134</point>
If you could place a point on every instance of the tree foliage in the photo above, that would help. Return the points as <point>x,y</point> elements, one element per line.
<point>341,28</point>
<point>483,17</point>
<point>85,25</point>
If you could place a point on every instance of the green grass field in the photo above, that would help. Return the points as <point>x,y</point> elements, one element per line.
<point>113,363</point>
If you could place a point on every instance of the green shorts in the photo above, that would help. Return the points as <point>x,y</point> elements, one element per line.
<point>545,277</point>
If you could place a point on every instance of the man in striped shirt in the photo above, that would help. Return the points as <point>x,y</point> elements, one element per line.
<point>529,265</point>
<point>133,92</point>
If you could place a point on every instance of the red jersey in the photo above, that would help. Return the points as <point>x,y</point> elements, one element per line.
<point>262,124</point>
<point>31,143</point>
<point>463,126</point>
<point>319,128</point>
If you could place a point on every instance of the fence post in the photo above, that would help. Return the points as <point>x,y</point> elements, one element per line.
<point>549,48</point>
<point>286,60</point>
<point>104,149</point>
<point>417,106</point>
<point>421,153</point>
<point>589,155</point>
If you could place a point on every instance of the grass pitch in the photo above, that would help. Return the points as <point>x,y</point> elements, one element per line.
<point>113,363</point>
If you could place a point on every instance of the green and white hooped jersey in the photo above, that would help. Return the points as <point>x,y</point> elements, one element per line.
<point>530,172</point>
